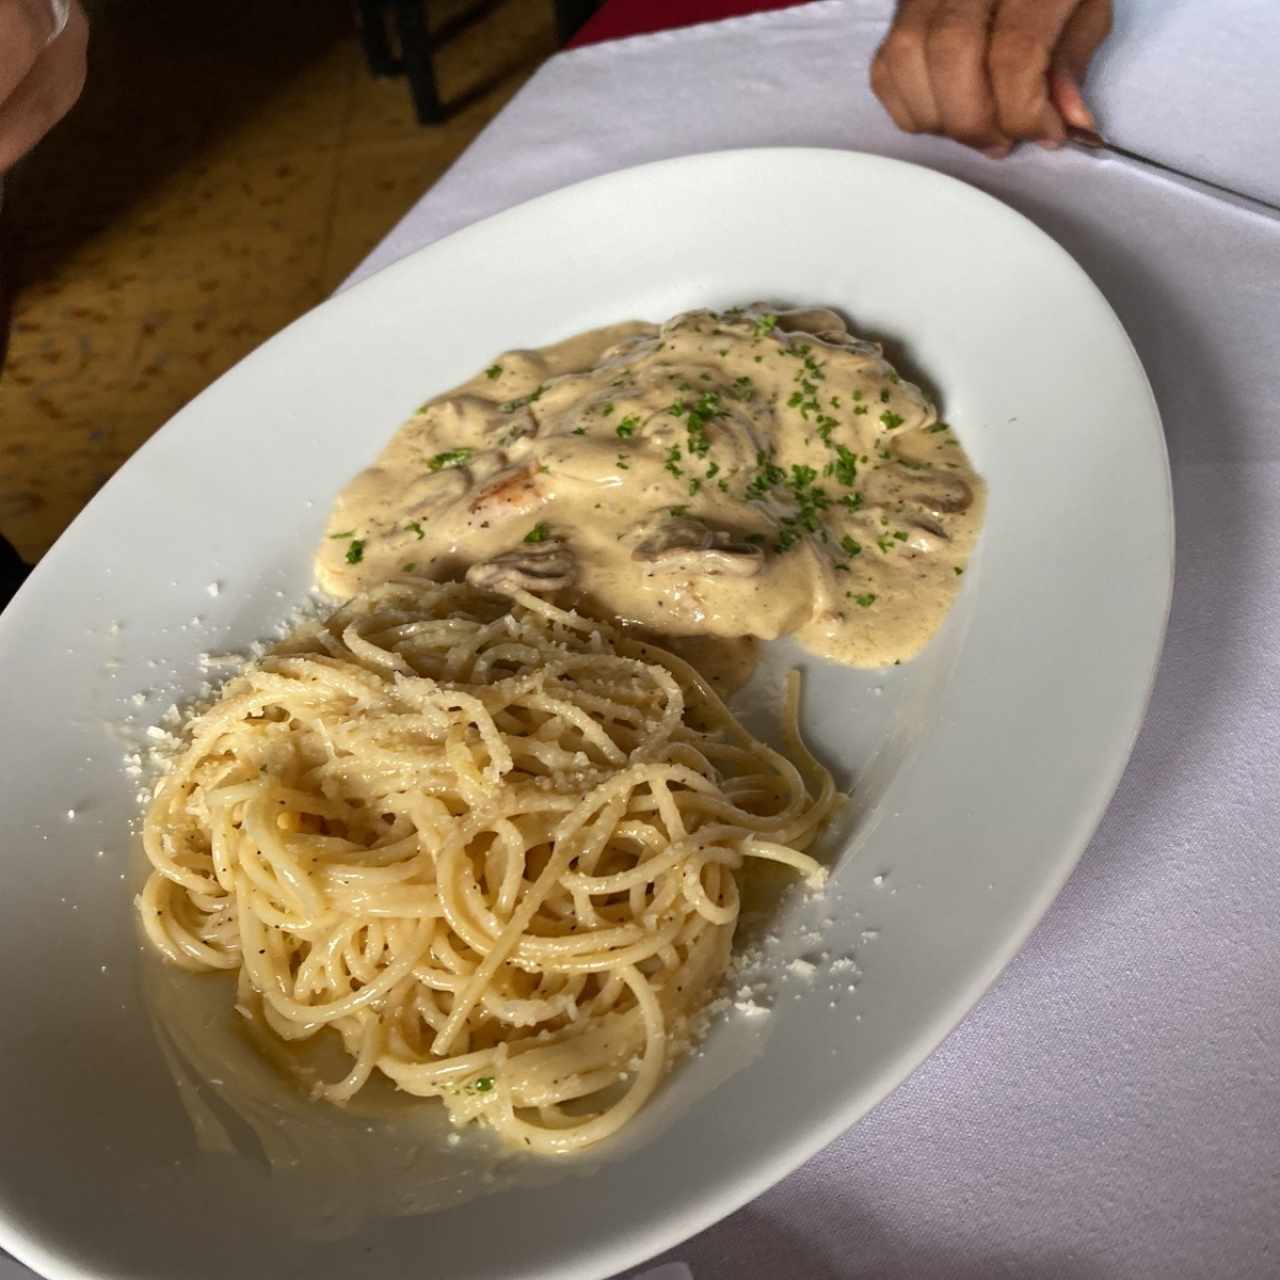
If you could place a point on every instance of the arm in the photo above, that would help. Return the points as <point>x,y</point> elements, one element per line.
<point>41,71</point>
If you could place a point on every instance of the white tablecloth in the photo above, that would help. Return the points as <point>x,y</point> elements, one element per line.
<point>1110,1108</point>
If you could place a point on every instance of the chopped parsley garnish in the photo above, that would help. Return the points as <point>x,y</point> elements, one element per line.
<point>672,463</point>
<point>493,372</point>
<point>627,427</point>
<point>884,395</point>
<point>755,538</point>
<point>483,1085</point>
<point>856,394</point>
<point>846,466</point>
<point>355,552</point>
<point>767,476</point>
<point>694,486</point>
<point>809,498</point>
<point>850,547</point>
<point>900,534</point>
<point>958,571</point>
<point>409,567</point>
<point>697,415</point>
<point>891,419</point>
<point>519,403</point>
<point>743,388</point>
<point>346,533</point>
<point>885,543</point>
<point>808,376</point>
<point>713,470</point>
<point>415,527</point>
<point>539,533</point>
<point>866,601</point>
<point>859,409</point>
<point>680,510</point>
<point>893,377</point>
<point>606,409</point>
<point>579,431</point>
<point>765,325</point>
<point>450,458</point>
<point>938,426</point>
<point>623,464</point>
<point>851,500</point>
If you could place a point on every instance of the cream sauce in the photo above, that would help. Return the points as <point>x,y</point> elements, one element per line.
<point>750,473</point>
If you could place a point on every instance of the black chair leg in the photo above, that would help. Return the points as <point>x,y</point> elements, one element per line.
<point>415,55</point>
<point>372,24</point>
<point>414,61</point>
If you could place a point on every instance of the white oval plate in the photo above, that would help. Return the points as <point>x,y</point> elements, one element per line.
<point>982,768</point>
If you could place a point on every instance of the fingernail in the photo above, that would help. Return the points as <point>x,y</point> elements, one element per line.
<point>1088,137</point>
<point>1070,101</point>
<point>997,153</point>
<point>1080,115</point>
<point>1051,144</point>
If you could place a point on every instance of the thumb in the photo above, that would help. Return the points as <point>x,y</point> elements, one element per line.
<point>1084,32</point>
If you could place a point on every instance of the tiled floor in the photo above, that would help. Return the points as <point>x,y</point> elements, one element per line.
<point>227,167</point>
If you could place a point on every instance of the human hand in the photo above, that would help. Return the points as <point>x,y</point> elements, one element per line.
<point>990,73</point>
<point>40,79</point>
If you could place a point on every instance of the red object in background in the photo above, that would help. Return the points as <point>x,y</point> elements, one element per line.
<point>619,18</point>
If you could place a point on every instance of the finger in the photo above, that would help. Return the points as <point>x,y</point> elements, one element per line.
<point>1023,38</point>
<point>25,26</point>
<point>883,87</point>
<point>1087,28</point>
<point>1066,97</point>
<point>956,49</point>
<point>903,58</point>
<point>48,92</point>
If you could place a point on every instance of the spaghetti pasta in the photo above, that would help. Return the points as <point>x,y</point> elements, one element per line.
<point>494,847</point>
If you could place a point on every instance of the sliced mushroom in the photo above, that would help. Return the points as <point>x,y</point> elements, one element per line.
<point>507,428</point>
<point>941,491</point>
<point>920,520</point>
<point>819,322</point>
<point>937,491</point>
<point>541,568</point>
<point>684,545</point>
<point>432,491</point>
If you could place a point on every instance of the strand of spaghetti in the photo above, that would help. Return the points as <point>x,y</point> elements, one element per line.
<point>812,870</point>
<point>609,1121</point>
<point>272,984</point>
<point>565,849</point>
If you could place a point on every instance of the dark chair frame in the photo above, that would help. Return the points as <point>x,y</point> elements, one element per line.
<point>388,25</point>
